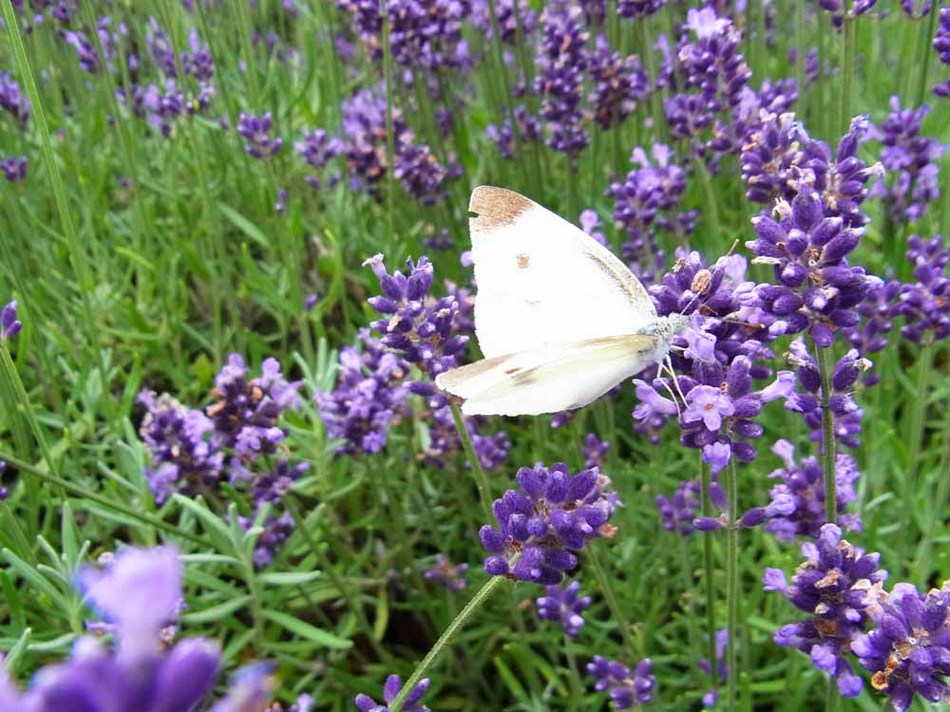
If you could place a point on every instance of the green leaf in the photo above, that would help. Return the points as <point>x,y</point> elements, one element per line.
<point>216,613</point>
<point>289,578</point>
<point>244,225</point>
<point>308,631</point>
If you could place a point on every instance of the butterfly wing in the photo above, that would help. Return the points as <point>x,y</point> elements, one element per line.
<point>553,378</point>
<point>542,281</point>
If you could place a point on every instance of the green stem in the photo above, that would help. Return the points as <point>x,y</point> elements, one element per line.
<point>848,49</point>
<point>83,493</point>
<point>24,404</point>
<point>824,357</point>
<point>708,583</point>
<point>77,255</point>
<point>616,611</point>
<point>926,51</point>
<point>832,696</point>
<point>710,202</point>
<point>732,585</point>
<point>916,436</point>
<point>481,479</point>
<point>390,136</point>
<point>936,511</point>
<point>446,638</point>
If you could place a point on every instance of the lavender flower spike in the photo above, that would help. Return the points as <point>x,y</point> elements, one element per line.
<point>392,688</point>
<point>563,606</point>
<point>9,325</point>
<point>626,689</point>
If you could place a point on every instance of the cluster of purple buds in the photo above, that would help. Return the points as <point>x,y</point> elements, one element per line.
<point>369,395</point>
<point>925,304</point>
<point>877,313</point>
<point>941,46</point>
<point>256,131</point>
<point>836,586</point>
<point>391,690</point>
<point>110,38</point>
<point>646,201</point>
<point>911,161</point>
<point>237,437</point>
<point>594,450</point>
<point>908,648</point>
<point>711,696</point>
<point>677,513</point>
<point>561,604</point>
<point>450,576</point>
<point>13,100</point>
<point>845,413</point>
<point>423,34</point>
<point>562,60</point>
<point>803,486</point>
<point>837,10</point>
<point>317,148</point>
<point>14,168</point>
<point>528,129</point>
<point>815,288</point>
<point>9,324</point>
<point>512,16</point>
<point>639,9</point>
<point>626,689</point>
<point>538,529</point>
<point>620,84</point>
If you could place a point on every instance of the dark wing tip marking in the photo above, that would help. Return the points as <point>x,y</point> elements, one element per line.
<point>495,207</point>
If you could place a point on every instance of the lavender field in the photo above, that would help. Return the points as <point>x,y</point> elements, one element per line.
<point>235,257</point>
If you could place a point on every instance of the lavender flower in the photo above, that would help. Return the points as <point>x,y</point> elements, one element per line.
<point>9,324</point>
<point>562,60</point>
<point>711,696</point>
<point>450,576</point>
<point>256,130</point>
<point>626,689</point>
<point>678,513</point>
<point>248,689</point>
<point>14,168</point>
<point>140,592</point>
<point>877,312</point>
<point>803,485</point>
<point>13,100</point>
<point>816,288</point>
<point>911,161</point>
<point>562,605</point>
<point>619,84</point>
<point>510,14</point>
<point>916,8</point>
<point>369,395</point>
<point>183,458</point>
<point>834,586</point>
<point>539,529</point>
<point>908,649</point>
<point>639,9</point>
<point>926,303</point>
<point>527,129</point>
<point>941,45</point>
<point>845,413</point>
<point>392,688</point>
<point>594,450</point>
<point>317,149</point>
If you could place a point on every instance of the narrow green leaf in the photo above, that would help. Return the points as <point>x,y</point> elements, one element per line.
<point>307,630</point>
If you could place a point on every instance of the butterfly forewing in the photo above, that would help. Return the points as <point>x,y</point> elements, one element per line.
<point>541,281</point>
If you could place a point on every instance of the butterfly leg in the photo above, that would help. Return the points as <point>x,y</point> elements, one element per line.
<point>659,372</point>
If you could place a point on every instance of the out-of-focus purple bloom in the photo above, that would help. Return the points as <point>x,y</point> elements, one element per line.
<point>562,60</point>
<point>836,586</point>
<point>88,56</point>
<point>511,15</point>
<point>422,175</point>
<point>561,604</point>
<point>183,459</point>
<point>711,696</point>
<point>528,130</point>
<point>391,689</point>
<point>877,312</point>
<point>310,301</point>
<point>160,49</point>
<point>594,450</point>
<point>14,168</point>
<point>450,576</point>
<point>678,513</point>
<point>539,528</point>
<point>626,689</point>
<point>140,593</point>
<point>423,34</point>
<point>646,201</point>
<point>911,161</point>
<point>9,324</point>
<point>256,130</point>
<point>837,10</point>
<point>804,487</point>
<point>844,411</point>
<point>639,9</point>
<point>925,304</point>
<point>13,100</point>
<point>908,649</point>
<point>197,62</point>
<point>941,46</point>
<point>620,83</point>
<point>249,689</point>
<point>590,223</point>
<point>280,204</point>
<point>916,8</point>
<point>317,149</point>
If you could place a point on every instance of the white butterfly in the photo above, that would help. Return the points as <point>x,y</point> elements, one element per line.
<point>560,320</point>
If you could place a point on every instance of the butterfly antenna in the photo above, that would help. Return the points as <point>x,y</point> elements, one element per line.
<point>659,372</point>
